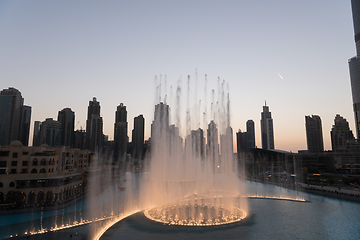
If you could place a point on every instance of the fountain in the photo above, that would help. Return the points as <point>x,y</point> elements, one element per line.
<point>193,182</point>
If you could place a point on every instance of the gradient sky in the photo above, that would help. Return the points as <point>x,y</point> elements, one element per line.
<point>63,53</point>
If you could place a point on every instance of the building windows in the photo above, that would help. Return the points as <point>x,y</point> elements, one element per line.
<point>12,184</point>
<point>25,153</point>
<point>2,171</point>
<point>43,162</point>
<point>13,171</point>
<point>1,185</point>
<point>34,170</point>
<point>15,155</point>
<point>2,163</point>
<point>4,153</point>
<point>42,170</point>
<point>24,170</point>
<point>35,162</point>
<point>25,163</point>
<point>13,163</point>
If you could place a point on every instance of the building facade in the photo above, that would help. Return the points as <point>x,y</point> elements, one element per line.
<point>354,66</point>
<point>67,119</point>
<point>120,133</point>
<point>340,133</point>
<point>42,175</point>
<point>50,132</point>
<point>94,127</point>
<point>314,135</point>
<point>267,129</point>
<point>138,136</point>
<point>14,117</point>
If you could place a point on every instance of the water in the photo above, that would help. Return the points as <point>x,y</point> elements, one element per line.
<point>318,218</point>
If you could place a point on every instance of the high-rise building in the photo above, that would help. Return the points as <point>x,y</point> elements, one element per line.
<point>138,136</point>
<point>241,141</point>
<point>160,125</point>
<point>67,119</point>
<point>94,127</point>
<point>195,142</point>
<point>267,129</point>
<point>25,125</point>
<point>14,117</point>
<point>354,66</point>
<point>340,133</point>
<point>212,148</point>
<point>246,140</point>
<point>36,134</point>
<point>120,133</point>
<point>250,135</point>
<point>50,132</point>
<point>314,134</point>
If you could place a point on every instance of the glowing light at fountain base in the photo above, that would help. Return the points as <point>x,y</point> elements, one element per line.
<point>195,215</point>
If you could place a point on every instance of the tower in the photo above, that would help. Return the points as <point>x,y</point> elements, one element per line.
<point>94,127</point>
<point>67,119</point>
<point>267,130</point>
<point>314,134</point>
<point>340,133</point>
<point>120,132</point>
<point>14,117</point>
<point>138,136</point>
<point>250,135</point>
<point>354,66</point>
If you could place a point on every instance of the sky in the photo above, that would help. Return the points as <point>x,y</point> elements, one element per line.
<point>291,54</point>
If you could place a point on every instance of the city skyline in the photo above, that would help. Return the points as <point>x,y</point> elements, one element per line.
<point>59,57</point>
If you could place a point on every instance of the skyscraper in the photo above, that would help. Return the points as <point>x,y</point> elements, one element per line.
<point>160,125</point>
<point>212,148</point>
<point>50,132</point>
<point>138,136</point>
<point>354,66</point>
<point>314,134</point>
<point>94,127</point>
<point>120,132</point>
<point>267,130</point>
<point>67,119</point>
<point>340,133</point>
<point>36,135</point>
<point>250,135</point>
<point>241,141</point>
<point>14,117</point>
<point>25,125</point>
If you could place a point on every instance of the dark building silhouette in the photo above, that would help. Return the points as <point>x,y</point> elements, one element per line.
<point>138,136</point>
<point>241,142</point>
<point>120,133</point>
<point>14,117</point>
<point>340,133</point>
<point>314,134</point>
<point>245,141</point>
<point>50,132</point>
<point>79,139</point>
<point>354,65</point>
<point>25,125</point>
<point>212,147</point>
<point>67,119</point>
<point>94,127</point>
<point>36,134</point>
<point>267,129</point>
<point>161,119</point>
<point>250,135</point>
<point>196,143</point>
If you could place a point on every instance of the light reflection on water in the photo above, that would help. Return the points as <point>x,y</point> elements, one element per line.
<point>318,218</point>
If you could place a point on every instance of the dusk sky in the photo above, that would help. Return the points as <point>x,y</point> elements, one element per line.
<point>291,54</point>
